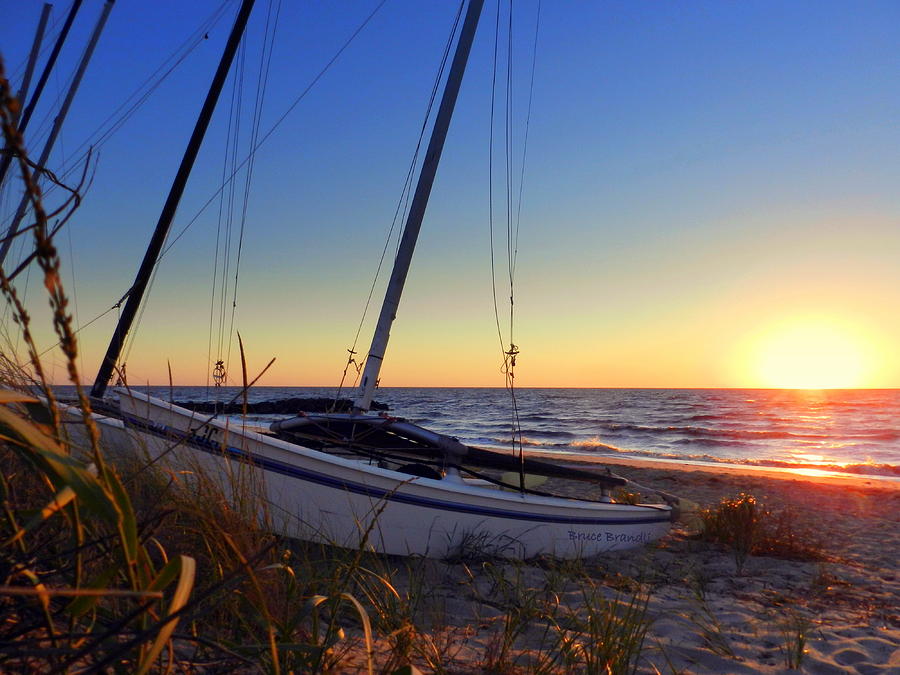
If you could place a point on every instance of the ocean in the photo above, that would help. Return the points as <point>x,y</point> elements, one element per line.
<point>808,431</point>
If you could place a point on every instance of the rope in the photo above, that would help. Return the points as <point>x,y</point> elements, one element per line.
<point>253,151</point>
<point>219,215</point>
<point>96,318</point>
<point>229,157</point>
<point>179,55</point>
<point>237,106</point>
<point>537,24</point>
<point>491,178</point>
<point>513,351</point>
<point>402,207</point>
<point>513,211</point>
<point>247,159</point>
<point>107,129</point>
<point>508,355</point>
<point>262,81</point>
<point>51,29</point>
<point>272,129</point>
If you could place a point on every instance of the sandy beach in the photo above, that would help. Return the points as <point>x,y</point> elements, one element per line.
<point>838,613</point>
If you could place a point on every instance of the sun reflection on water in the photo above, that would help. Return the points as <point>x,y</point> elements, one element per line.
<point>816,473</point>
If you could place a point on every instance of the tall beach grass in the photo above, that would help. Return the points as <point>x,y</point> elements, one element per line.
<point>123,564</point>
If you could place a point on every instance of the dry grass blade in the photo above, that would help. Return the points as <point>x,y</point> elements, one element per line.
<point>367,629</point>
<point>246,387</point>
<point>187,569</point>
<point>749,527</point>
<point>60,500</point>
<point>9,396</point>
<point>78,592</point>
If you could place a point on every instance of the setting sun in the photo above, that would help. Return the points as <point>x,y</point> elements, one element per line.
<point>811,354</point>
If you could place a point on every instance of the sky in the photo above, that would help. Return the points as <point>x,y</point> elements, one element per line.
<point>710,193</point>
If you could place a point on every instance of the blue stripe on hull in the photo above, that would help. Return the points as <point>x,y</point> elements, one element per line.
<point>275,466</point>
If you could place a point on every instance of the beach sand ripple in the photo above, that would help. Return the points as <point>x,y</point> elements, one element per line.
<point>837,613</point>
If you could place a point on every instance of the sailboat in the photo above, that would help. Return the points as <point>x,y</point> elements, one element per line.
<point>361,479</point>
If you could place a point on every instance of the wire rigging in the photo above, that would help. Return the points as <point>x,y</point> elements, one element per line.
<point>537,24</point>
<point>171,241</point>
<point>50,30</point>
<point>265,64</point>
<point>237,102</point>
<point>402,204</point>
<point>272,129</point>
<point>513,206</point>
<point>117,118</point>
<point>231,139</point>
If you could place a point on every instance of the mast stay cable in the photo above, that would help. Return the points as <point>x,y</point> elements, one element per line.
<point>265,64</point>
<point>514,200</point>
<point>272,129</point>
<point>253,151</point>
<point>171,241</point>
<point>114,121</point>
<point>402,207</point>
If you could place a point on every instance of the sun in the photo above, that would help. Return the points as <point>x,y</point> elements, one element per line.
<point>811,354</point>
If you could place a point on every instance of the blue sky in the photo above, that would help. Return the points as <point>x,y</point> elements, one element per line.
<point>698,175</point>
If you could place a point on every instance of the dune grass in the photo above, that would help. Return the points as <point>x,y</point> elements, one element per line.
<point>748,526</point>
<point>795,631</point>
<point>127,564</point>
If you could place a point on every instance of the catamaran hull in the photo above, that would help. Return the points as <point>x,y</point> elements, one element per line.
<point>315,496</point>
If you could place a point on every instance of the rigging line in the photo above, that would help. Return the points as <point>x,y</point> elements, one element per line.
<point>226,201</point>
<point>75,295</point>
<point>405,195</point>
<point>408,187</point>
<point>410,177</point>
<point>151,281</point>
<point>491,186</point>
<point>219,217</point>
<point>179,55</point>
<point>131,338</point>
<point>537,23</point>
<point>508,355</point>
<point>232,192</point>
<point>516,431</point>
<point>237,109</point>
<point>187,46</point>
<point>277,123</point>
<point>265,64</point>
<point>509,163</point>
<point>253,151</point>
<point>81,328</point>
<point>17,72</point>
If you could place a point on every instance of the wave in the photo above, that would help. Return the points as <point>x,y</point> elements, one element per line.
<point>600,447</point>
<point>713,442</point>
<point>594,444</point>
<point>748,434</point>
<point>770,428</point>
<point>856,468</point>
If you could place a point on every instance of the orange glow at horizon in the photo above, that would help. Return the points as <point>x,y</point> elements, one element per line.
<point>811,353</point>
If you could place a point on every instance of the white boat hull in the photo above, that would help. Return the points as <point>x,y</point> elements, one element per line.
<point>316,496</point>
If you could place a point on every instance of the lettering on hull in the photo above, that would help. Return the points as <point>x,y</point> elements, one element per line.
<point>611,537</point>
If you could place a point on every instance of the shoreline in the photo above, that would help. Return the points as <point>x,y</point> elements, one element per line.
<point>829,605</point>
<point>833,610</point>
<point>891,483</point>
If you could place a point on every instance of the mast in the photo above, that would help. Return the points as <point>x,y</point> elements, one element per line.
<point>32,57</point>
<point>136,292</point>
<point>42,81</point>
<point>417,210</point>
<point>57,126</point>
